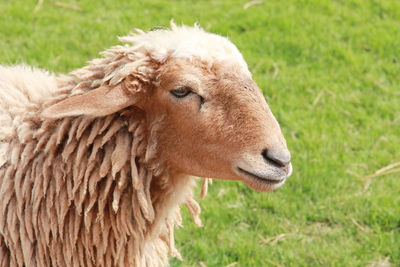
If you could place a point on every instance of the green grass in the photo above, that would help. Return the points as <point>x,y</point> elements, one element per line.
<point>330,71</point>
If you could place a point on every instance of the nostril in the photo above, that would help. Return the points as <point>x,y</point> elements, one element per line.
<point>278,159</point>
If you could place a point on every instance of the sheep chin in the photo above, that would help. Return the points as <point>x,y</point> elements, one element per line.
<point>258,183</point>
<point>261,186</point>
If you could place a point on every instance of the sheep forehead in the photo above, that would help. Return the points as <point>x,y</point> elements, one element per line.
<point>224,77</point>
<point>188,42</point>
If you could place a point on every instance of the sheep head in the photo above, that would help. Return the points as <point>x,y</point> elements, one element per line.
<point>206,116</point>
<point>217,124</point>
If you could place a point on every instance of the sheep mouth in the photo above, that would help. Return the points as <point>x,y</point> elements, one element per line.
<point>259,178</point>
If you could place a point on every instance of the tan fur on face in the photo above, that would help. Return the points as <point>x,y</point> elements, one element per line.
<point>233,120</point>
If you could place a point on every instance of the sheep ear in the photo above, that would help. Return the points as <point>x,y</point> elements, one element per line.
<point>98,102</point>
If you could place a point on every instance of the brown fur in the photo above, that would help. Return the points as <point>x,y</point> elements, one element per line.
<point>95,173</point>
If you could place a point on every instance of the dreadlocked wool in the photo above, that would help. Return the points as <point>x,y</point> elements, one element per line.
<point>84,191</point>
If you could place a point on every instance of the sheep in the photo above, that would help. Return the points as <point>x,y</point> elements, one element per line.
<point>94,165</point>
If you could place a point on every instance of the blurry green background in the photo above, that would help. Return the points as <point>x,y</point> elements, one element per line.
<point>330,71</point>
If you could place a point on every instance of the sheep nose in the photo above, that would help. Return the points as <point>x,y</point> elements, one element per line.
<point>280,158</point>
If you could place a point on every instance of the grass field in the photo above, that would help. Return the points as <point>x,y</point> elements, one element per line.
<point>330,71</point>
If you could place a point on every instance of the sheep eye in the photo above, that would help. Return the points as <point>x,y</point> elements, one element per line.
<point>181,92</point>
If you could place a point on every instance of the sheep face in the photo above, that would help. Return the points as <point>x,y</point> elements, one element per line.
<point>216,123</point>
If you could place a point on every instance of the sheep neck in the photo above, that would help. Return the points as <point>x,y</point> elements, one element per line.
<point>99,199</point>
